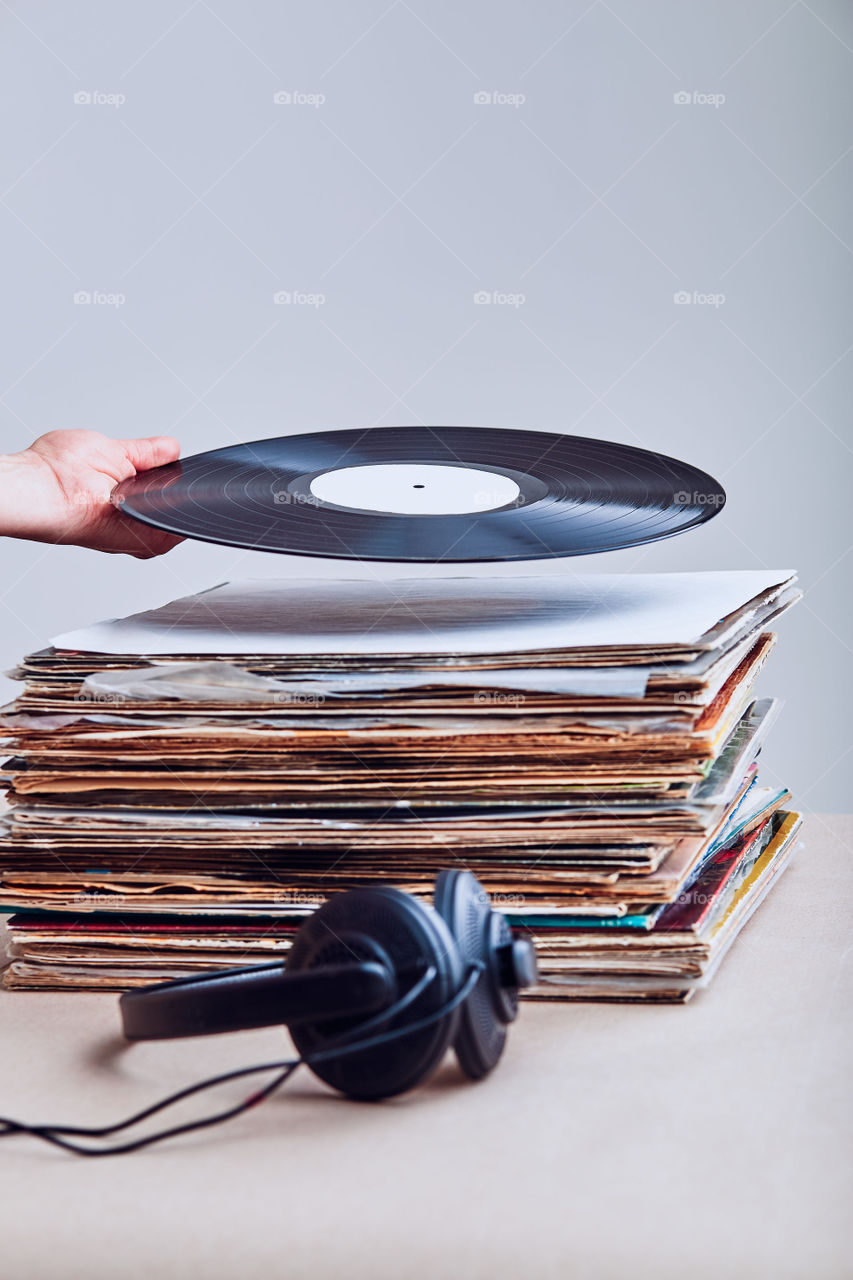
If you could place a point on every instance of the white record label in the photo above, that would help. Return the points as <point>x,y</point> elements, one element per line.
<point>413,488</point>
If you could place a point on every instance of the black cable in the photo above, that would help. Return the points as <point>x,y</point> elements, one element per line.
<point>50,1133</point>
<point>352,1041</point>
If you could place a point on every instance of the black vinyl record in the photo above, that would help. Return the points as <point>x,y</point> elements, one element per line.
<point>426,494</point>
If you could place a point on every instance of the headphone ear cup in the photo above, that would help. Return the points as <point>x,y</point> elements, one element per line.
<point>464,905</point>
<point>392,927</point>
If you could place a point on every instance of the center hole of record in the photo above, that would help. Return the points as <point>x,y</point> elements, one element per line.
<point>409,488</point>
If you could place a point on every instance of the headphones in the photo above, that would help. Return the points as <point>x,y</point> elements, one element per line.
<point>375,989</point>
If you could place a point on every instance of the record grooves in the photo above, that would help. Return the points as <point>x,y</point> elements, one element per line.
<point>428,494</point>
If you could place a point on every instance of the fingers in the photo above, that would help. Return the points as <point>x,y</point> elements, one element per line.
<point>152,451</point>
<point>132,537</point>
<point>156,543</point>
<point>142,545</point>
<point>119,534</point>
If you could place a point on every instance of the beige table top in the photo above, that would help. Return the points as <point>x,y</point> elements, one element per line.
<point>706,1140</point>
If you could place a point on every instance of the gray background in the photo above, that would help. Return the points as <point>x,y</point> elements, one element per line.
<point>597,198</point>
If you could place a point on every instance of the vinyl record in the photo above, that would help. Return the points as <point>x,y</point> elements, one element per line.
<point>427,494</point>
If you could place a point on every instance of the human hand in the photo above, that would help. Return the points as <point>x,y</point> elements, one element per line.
<point>59,490</point>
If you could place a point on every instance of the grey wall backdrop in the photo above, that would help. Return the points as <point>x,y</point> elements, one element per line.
<point>581,164</point>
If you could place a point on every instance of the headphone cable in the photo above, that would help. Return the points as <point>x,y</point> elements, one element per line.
<point>352,1041</point>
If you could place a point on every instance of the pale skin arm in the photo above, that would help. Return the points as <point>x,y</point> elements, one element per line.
<point>58,490</point>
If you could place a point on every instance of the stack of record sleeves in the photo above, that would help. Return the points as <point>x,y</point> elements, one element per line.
<point>187,784</point>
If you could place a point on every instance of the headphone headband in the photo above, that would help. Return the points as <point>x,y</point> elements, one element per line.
<point>256,996</point>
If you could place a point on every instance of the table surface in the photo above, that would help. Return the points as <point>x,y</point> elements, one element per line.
<point>613,1140</point>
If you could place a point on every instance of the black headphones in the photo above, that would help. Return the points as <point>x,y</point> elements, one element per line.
<point>374,990</point>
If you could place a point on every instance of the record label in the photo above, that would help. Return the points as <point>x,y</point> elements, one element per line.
<point>406,488</point>
<point>428,494</point>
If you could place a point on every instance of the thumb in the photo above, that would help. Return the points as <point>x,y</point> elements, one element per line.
<point>152,451</point>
